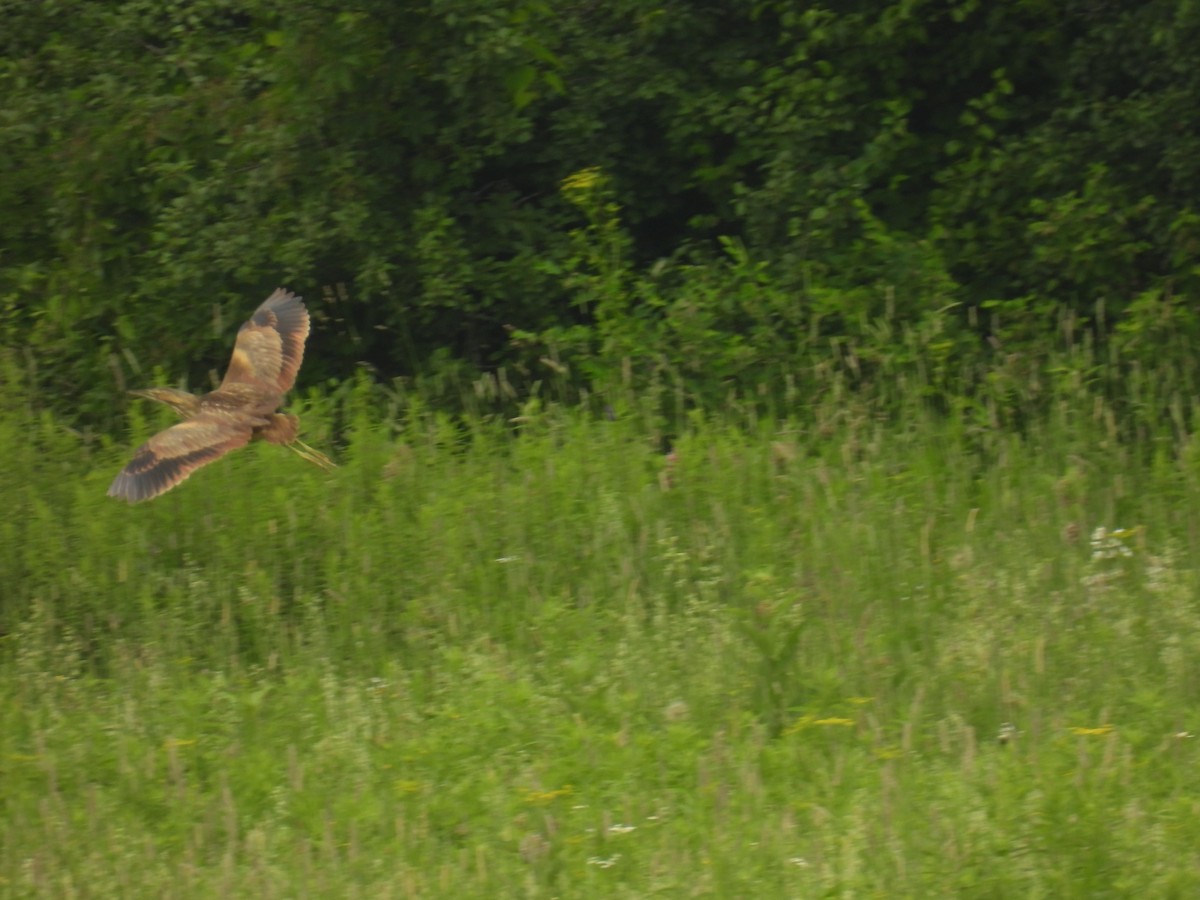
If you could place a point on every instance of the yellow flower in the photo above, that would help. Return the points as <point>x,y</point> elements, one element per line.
<point>584,181</point>
<point>541,798</point>
<point>811,721</point>
<point>1093,732</point>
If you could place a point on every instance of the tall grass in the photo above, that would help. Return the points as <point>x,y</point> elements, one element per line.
<point>815,652</point>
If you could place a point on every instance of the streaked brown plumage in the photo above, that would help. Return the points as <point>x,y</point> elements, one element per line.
<point>266,358</point>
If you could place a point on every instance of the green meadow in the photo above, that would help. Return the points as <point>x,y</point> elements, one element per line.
<point>765,438</point>
<point>819,651</point>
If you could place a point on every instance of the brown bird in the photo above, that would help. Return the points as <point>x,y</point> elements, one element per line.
<point>266,358</point>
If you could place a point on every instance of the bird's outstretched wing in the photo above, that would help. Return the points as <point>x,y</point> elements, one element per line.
<point>172,455</point>
<point>270,345</point>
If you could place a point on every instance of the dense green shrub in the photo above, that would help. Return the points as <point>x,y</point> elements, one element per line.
<point>775,175</point>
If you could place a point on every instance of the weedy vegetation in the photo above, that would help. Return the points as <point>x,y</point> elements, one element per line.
<point>826,647</point>
<point>824,524</point>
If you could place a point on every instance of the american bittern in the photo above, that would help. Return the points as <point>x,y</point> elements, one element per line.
<point>266,358</point>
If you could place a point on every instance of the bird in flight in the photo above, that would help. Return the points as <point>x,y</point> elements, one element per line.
<point>266,358</point>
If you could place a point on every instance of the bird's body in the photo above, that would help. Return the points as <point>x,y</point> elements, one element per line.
<point>266,358</point>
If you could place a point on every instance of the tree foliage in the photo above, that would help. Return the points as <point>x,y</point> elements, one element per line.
<point>765,175</point>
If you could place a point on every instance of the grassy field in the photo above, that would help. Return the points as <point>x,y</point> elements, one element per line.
<point>841,655</point>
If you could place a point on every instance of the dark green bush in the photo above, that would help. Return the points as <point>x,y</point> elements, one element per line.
<point>774,176</point>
